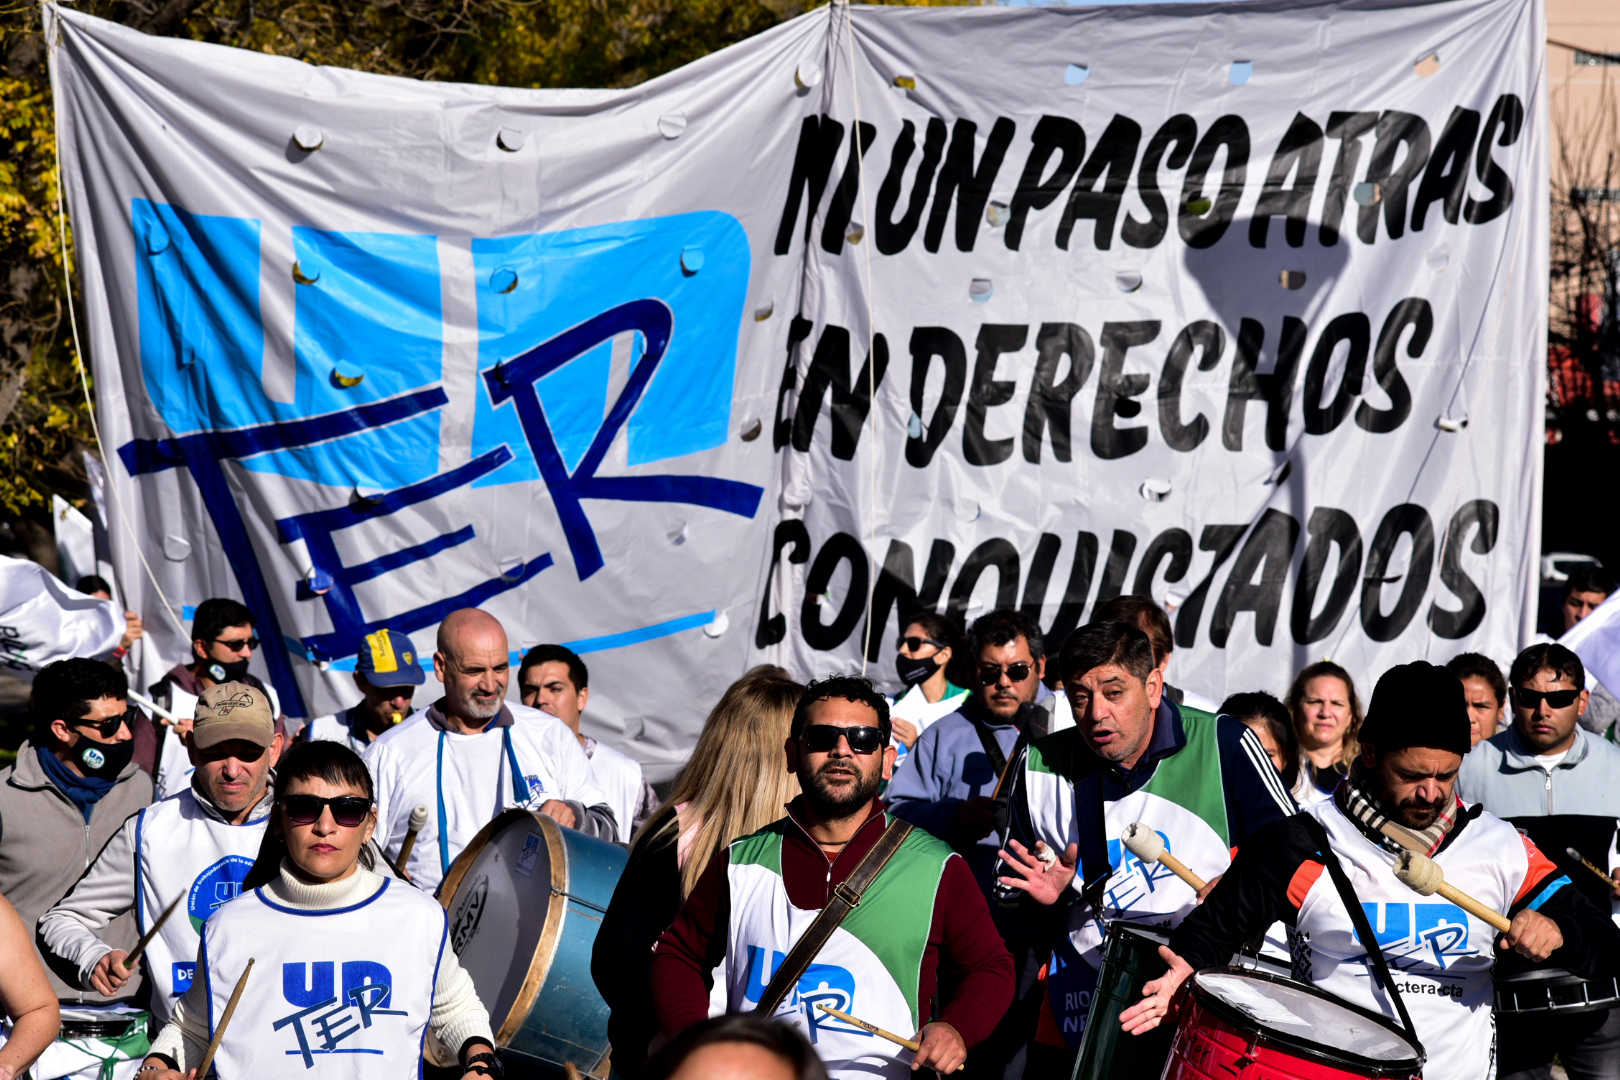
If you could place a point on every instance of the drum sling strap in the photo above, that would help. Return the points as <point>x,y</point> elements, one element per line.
<point>1358,919</point>
<point>843,900</point>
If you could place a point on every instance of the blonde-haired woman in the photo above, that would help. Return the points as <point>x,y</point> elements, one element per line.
<point>1327,717</point>
<point>735,783</point>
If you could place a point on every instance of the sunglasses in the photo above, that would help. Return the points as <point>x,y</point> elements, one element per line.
<point>347,810</point>
<point>821,738</point>
<point>915,643</point>
<point>990,674</point>
<point>1555,699</point>
<point>106,728</point>
<point>238,644</point>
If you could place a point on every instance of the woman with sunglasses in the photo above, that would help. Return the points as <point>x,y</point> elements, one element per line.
<point>351,968</point>
<point>923,657</point>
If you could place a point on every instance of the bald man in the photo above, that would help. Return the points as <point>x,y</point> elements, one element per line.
<point>472,754</point>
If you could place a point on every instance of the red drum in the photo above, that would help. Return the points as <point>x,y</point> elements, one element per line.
<point>1234,1019</point>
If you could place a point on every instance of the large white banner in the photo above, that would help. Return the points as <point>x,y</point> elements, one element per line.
<point>1240,305</point>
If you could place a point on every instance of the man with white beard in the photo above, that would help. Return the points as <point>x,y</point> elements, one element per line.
<point>472,755</point>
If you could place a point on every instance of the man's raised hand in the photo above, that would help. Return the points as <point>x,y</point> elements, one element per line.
<point>1044,879</point>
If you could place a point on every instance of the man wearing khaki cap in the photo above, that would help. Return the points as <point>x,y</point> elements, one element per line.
<point>196,846</point>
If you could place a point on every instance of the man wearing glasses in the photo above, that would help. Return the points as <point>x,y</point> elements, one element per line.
<point>1560,784</point>
<point>74,783</point>
<point>222,644</point>
<point>952,787</point>
<point>197,844</point>
<point>918,919</point>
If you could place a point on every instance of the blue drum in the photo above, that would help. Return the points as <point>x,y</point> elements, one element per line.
<point>524,901</point>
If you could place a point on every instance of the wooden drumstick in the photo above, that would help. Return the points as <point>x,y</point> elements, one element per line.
<point>225,1019</point>
<point>875,1030</point>
<point>146,938</point>
<point>1584,861</point>
<point>1146,844</point>
<point>1423,876</point>
<point>418,819</point>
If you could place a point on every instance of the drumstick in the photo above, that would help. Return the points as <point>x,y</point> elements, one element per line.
<point>418,819</point>
<point>225,1018</point>
<point>1423,876</point>
<point>1146,844</point>
<point>1584,861</point>
<point>151,706</point>
<point>875,1030</point>
<point>146,938</point>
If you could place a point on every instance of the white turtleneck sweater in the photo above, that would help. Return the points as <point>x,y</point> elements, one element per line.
<point>458,1015</point>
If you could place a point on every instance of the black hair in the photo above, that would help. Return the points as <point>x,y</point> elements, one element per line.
<point>1588,577</point>
<point>1547,656</point>
<point>578,674</point>
<point>1004,626</point>
<point>1106,642</point>
<point>1259,705</point>
<point>1142,613</point>
<point>772,1035</point>
<point>215,616</point>
<point>856,688</point>
<point>92,583</point>
<point>320,759</point>
<point>945,629</point>
<point>1477,665</point>
<point>64,690</point>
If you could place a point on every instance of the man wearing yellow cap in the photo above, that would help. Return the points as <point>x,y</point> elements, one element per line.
<point>387,673</point>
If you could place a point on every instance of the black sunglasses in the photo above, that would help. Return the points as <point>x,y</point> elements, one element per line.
<point>915,643</point>
<point>106,728</point>
<point>347,810</point>
<point>821,738</point>
<point>1555,699</point>
<point>238,644</point>
<point>990,674</point>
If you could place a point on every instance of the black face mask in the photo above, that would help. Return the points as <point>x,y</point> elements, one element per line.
<point>913,671</point>
<point>219,671</point>
<point>103,760</point>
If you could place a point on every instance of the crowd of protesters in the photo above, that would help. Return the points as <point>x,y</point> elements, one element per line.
<point>978,936</point>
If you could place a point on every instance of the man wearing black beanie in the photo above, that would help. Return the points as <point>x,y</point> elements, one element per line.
<point>1400,796</point>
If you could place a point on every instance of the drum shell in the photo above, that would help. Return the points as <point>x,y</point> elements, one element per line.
<point>1130,961</point>
<point>557,1016</point>
<point>1208,1046</point>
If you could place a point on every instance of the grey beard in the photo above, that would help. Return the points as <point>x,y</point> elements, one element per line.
<point>469,708</point>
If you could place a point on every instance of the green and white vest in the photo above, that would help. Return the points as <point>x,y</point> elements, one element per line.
<point>870,968</point>
<point>1184,802</point>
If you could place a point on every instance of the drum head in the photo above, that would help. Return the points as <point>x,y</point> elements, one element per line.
<point>1301,1017</point>
<point>505,916</point>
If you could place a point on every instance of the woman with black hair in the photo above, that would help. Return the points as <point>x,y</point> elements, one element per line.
<point>351,968</point>
<point>925,659</point>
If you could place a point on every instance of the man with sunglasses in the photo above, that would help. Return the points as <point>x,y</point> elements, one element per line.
<point>198,844</point>
<point>222,646</point>
<point>919,920</point>
<point>950,786</point>
<point>73,785</point>
<point>1559,783</point>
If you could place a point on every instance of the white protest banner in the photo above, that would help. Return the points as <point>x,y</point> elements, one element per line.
<point>1242,306</point>
<point>43,621</point>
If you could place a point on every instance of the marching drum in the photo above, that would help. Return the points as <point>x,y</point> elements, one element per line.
<point>1552,990</point>
<point>524,901</point>
<point>1130,960</point>
<point>1235,1018</point>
